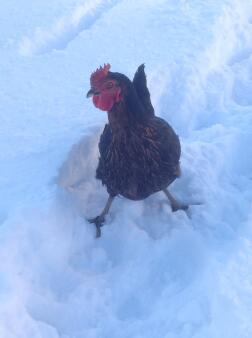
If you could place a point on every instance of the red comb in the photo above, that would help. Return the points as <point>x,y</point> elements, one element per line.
<point>99,74</point>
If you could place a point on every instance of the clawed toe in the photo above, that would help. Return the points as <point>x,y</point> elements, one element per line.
<point>176,207</point>
<point>98,222</point>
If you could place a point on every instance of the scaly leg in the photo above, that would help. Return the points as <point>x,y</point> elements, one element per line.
<point>99,220</point>
<point>175,205</point>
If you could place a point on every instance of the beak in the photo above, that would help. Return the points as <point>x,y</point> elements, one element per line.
<point>90,93</point>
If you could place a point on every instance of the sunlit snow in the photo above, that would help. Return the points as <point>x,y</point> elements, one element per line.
<point>153,273</point>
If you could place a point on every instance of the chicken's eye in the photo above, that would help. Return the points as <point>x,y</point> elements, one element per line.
<point>109,85</point>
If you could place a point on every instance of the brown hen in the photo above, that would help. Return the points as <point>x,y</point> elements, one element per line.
<point>139,152</point>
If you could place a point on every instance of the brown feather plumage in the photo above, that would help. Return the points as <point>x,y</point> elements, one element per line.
<point>137,158</point>
<point>139,152</point>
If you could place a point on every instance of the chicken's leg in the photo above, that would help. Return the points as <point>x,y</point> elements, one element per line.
<point>99,220</point>
<point>175,205</point>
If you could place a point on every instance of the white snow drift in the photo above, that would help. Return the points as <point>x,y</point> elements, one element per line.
<point>153,273</point>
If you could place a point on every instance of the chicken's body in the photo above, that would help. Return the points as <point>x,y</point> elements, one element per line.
<point>139,152</point>
<point>138,160</point>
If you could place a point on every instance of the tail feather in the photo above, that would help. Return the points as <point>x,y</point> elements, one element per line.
<point>140,84</point>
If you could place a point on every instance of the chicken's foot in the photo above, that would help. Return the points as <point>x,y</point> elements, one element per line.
<point>175,205</point>
<point>98,221</point>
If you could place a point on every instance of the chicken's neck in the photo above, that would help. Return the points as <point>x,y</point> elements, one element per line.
<point>119,118</point>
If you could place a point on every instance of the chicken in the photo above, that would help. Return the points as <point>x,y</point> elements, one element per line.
<point>139,152</point>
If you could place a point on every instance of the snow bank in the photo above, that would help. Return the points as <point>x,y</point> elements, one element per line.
<point>153,273</point>
<point>65,29</point>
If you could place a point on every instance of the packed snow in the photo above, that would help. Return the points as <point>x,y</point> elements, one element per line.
<point>153,273</point>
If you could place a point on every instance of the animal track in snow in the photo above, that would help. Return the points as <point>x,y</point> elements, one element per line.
<point>65,29</point>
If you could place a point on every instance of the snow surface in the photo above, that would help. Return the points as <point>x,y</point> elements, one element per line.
<point>153,273</point>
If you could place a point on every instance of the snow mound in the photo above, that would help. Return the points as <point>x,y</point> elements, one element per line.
<point>153,273</point>
<point>65,29</point>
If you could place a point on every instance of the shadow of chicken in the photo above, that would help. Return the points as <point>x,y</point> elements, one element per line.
<point>139,152</point>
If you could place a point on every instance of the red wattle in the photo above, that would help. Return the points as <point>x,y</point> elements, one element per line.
<point>103,102</point>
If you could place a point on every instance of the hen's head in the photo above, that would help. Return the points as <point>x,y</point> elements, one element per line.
<point>105,88</point>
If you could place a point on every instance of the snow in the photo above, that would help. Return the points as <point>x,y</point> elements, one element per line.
<point>153,273</point>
